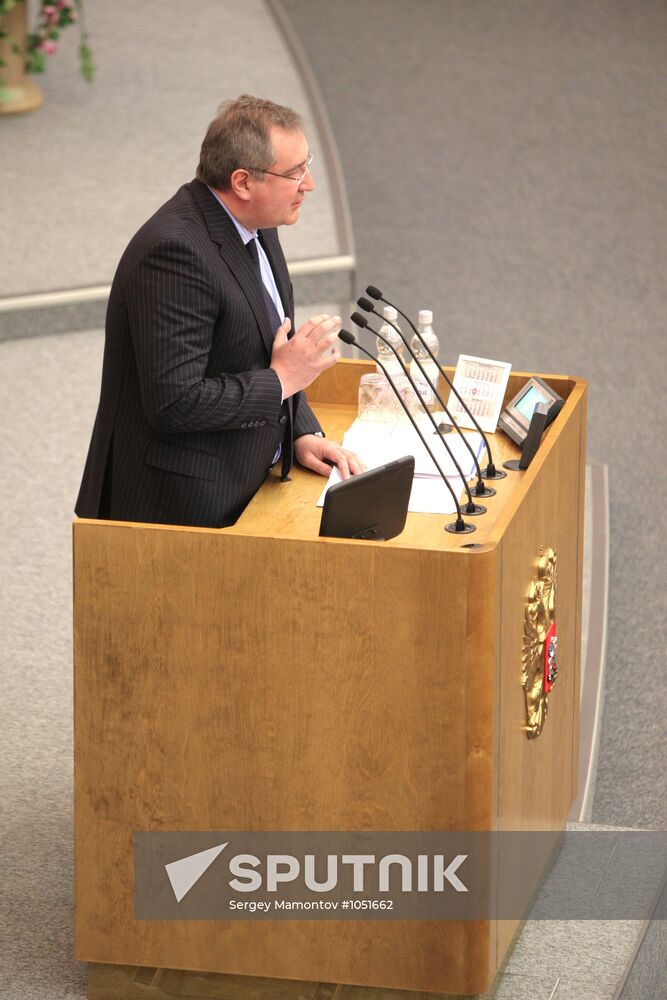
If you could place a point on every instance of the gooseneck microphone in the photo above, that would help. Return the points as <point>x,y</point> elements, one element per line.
<point>459,525</point>
<point>471,507</point>
<point>491,471</point>
<point>480,489</point>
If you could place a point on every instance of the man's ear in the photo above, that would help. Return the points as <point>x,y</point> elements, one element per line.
<point>239,183</point>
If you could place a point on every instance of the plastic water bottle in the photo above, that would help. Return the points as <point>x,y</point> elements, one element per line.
<point>425,327</point>
<point>385,355</point>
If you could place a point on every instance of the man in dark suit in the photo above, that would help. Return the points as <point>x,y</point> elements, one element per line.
<point>202,386</point>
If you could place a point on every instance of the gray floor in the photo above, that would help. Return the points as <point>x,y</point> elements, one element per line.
<point>86,170</point>
<point>505,163</point>
<point>36,679</point>
<point>43,467</point>
<point>648,971</point>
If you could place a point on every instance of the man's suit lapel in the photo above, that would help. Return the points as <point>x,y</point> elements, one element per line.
<point>223,232</point>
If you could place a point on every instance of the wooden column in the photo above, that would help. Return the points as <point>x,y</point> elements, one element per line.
<point>18,93</point>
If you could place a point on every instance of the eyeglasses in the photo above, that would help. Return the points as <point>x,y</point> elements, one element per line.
<point>291,177</point>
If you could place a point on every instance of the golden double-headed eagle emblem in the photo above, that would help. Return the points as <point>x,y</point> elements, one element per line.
<point>539,644</point>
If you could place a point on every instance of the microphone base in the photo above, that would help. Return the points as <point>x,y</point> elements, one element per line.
<point>513,465</point>
<point>454,528</point>
<point>499,475</point>
<point>445,428</point>
<point>475,512</point>
<point>484,492</point>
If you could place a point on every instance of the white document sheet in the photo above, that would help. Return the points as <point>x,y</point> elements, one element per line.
<point>379,443</point>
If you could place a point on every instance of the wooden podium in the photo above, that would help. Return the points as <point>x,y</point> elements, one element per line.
<point>262,678</point>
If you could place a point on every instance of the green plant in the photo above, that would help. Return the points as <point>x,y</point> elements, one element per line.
<point>41,43</point>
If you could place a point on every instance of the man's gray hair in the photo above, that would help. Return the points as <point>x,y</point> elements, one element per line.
<point>240,137</point>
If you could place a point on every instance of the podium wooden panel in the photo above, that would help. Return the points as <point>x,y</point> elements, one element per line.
<point>261,678</point>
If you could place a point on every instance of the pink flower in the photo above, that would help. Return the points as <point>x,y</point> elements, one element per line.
<point>48,47</point>
<point>49,10</point>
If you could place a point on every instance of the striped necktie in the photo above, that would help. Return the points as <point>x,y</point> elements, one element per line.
<point>274,315</point>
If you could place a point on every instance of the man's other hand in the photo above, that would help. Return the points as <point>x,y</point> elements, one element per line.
<point>319,454</point>
<point>298,362</point>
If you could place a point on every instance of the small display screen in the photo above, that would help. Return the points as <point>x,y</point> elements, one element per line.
<point>529,401</point>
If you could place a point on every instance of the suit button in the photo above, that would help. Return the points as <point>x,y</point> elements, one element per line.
<point>244,423</point>
<point>283,419</point>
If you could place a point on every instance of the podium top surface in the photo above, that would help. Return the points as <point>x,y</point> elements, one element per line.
<point>289,510</point>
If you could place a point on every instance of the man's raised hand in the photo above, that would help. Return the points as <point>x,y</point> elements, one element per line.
<point>297,362</point>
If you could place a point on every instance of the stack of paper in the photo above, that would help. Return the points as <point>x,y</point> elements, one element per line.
<point>379,443</point>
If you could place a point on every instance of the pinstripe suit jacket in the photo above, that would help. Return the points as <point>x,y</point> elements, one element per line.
<point>190,414</point>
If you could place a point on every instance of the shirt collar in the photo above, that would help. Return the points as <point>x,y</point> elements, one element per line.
<point>245,233</point>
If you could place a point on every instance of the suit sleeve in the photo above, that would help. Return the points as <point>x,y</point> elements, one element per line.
<point>305,421</point>
<point>173,308</point>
